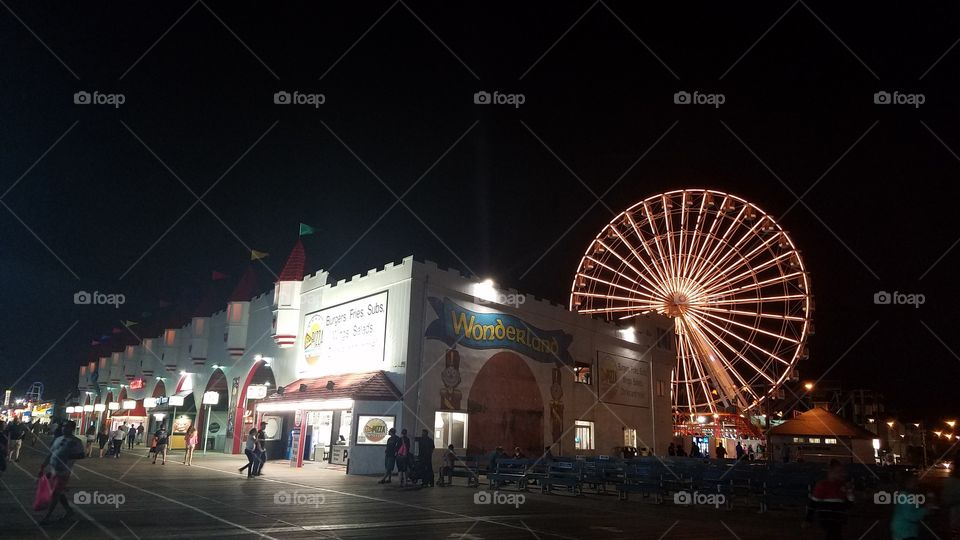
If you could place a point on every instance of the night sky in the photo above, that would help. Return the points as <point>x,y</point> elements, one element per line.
<point>96,197</point>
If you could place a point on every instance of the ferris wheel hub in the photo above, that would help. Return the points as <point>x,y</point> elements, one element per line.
<point>676,304</point>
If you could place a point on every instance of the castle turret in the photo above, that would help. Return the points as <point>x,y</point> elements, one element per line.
<point>238,314</point>
<point>286,298</point>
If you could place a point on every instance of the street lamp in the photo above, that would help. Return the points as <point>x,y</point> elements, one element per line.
<point>808,386</point>
<point>951,423</point>
<point>210,399</point>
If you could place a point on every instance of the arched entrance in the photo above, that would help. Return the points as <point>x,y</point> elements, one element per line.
<point>244,412</point>
<point>213,431</point>
<point>159,390</point>
<point>505,407</point>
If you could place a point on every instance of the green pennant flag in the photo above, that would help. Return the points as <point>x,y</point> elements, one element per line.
<point>305,229</point>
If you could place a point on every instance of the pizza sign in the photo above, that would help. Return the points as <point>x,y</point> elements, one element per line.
<point>374,429</point>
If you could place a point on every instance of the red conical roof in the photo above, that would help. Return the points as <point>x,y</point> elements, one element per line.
<point>246,287</point>
<point>293,269</point>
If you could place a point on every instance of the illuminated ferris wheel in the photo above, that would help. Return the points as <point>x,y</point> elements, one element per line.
<point>727,274</point>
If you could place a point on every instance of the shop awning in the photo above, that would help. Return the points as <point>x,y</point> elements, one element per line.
<point>332,389</point>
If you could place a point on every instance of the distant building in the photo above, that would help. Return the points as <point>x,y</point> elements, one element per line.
<point>820,435</point>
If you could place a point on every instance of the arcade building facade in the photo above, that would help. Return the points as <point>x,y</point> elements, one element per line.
<point>331,367</point>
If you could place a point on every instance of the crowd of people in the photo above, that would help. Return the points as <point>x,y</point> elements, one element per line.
<point>110,442</point>
<point>720,452</point>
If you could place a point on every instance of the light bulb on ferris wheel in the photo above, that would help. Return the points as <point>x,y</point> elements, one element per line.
<point>726,273</point>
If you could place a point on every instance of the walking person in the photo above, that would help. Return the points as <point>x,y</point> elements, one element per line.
<point>721,451</point>
<point>425,448</point>
<point>91,436</point>
<point>140,433</point>
<point>58,466</point>
<point>750,453</point>
<point>250,450</point>
<point>908,511</point>
<point>830,500</point>
<point>15,433</point>
<point>162,438</point>
<point>131,437</point>
<point>116,441</point>
<point>671,450</point>
<point>261,449</point>
<point>102,439</point>
<point>403,456</point>
<point>390,456</point>
<point>190,439</point>
<point>740,451</point>
<point>3,452</point>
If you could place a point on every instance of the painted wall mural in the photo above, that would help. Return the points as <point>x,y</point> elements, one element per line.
<point>450,395</point>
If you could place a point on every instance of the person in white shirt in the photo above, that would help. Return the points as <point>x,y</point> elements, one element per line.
<point>251,450</point>
<point>116,441</point>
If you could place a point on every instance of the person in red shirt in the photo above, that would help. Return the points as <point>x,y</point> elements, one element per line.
<point>829,501</point>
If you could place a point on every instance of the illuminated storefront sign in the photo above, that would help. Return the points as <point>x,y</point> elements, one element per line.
<point>373,429</point>
<point>458,326</point>
<point>136,384</point>
<point>353,332</point>
<point>256,391</point>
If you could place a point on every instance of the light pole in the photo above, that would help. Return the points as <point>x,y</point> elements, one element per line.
<point>923,442</point>
<point>209,399</point>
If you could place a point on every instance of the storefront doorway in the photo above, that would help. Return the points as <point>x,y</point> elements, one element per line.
<point>213,430</point>
<point>327,436</point>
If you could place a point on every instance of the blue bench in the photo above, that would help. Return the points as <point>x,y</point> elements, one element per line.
<point>786,487</point>
<point>602,473</point>
<point>509,471</point>
<point>463,467</point>
<point>645,479</point>
<point>565,474</point>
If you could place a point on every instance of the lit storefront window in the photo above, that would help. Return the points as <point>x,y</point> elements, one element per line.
<point>581,372</point>
<point>630,437</point>
<point>450,428</point>
<point>584,435</point>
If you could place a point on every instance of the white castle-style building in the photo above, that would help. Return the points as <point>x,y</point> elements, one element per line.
<point>331,367</point>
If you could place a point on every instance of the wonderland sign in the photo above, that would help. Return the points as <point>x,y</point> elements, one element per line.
<point>457,325</point>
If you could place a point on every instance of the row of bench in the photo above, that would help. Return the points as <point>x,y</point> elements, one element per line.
<point>773,485</point>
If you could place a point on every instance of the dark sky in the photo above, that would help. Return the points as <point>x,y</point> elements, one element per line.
<point>99,211</point>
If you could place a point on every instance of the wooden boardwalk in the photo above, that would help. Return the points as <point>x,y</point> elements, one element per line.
<point>136,499</point>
